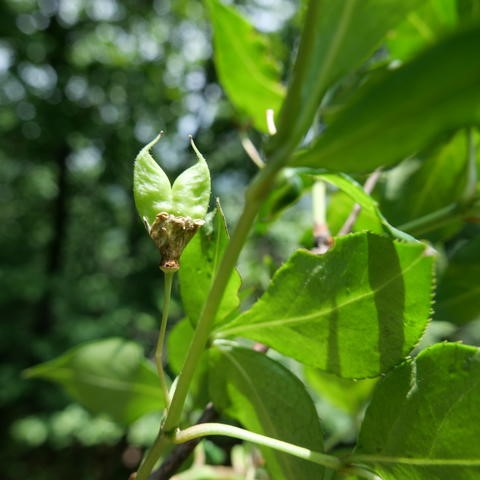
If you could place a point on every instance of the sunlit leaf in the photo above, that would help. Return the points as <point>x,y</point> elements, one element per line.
<point>423,422</point>
<point>246,70</point>
<point>355,311</point>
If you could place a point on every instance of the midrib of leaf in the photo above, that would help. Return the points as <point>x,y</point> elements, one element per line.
<point>257,73</point>
<point>336,43</point>
<point>261,407</point>
<point>422,28</point>
<point>421,461</point>
<point>321,313</point>
<point>65,374</point>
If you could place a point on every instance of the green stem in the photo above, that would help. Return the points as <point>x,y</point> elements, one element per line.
<point>206,429</point>
<point>434,220</point>
<point>151,457</point>
<point>167,293</point>
<point>257,191</point>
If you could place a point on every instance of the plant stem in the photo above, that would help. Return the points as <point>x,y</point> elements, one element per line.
<point>167,293</point>
<point>151,458</point>
<point>434,220</point>
<point>206,429</point>
<point>321,233</point>
<point>254,196</point>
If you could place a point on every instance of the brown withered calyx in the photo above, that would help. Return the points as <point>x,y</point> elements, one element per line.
<point>171,235</point>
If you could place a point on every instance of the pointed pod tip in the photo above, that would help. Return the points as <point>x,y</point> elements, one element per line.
<point>195,149</point>
<point>151,144</point>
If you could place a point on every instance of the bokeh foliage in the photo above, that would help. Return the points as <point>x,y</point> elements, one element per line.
<point>82,84</point>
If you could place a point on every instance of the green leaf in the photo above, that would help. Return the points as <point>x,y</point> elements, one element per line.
<point>200,262</point>
<point>151,186</point>
<point>404,111</point>
<point>422,28</point>
<point>459,288</point>
<point>248,74</point>
<point>423,422</point>
<point>347,394</point>
<point>110,376</point>
<point>355,311</point>
<point>420,186</point>
<point>268,399</point>
<point>337,37</point>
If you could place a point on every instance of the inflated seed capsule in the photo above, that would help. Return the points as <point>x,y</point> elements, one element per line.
<point>172,214</point>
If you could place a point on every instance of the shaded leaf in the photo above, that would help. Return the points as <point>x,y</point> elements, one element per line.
<point>423,422</point>
<point>110,376</point>
<point>200,262</point>
<point>458,296</point>
<point>266,398</point>
<point>355,311</point>
<point>337,37</point>
<point>404,111</point>
<point>422,28</point>
<point>248,74</point>
<point>420,186</point>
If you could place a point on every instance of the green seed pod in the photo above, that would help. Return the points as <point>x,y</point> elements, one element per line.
<point>171,215</point>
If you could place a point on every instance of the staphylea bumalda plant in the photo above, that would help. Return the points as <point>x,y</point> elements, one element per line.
<point>338,320</point>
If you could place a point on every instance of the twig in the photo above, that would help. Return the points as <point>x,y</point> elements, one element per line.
<point>321,233</point>
<point>352,218</point>
<point>182,451</point>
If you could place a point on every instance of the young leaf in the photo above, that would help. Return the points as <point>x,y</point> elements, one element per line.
<point>266,398</point>
<point>110,376</point>
<point>337,37</point>
<point>248,74</point>
<point>404,111</point>
<point>423,422</point>
<point>459,289</point>
<point>355,311</point>
<point>200,262</point>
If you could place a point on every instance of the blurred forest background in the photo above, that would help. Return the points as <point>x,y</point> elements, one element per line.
<point>84,84</point>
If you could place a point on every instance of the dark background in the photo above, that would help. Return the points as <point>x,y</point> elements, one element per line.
<point>84,84</point>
